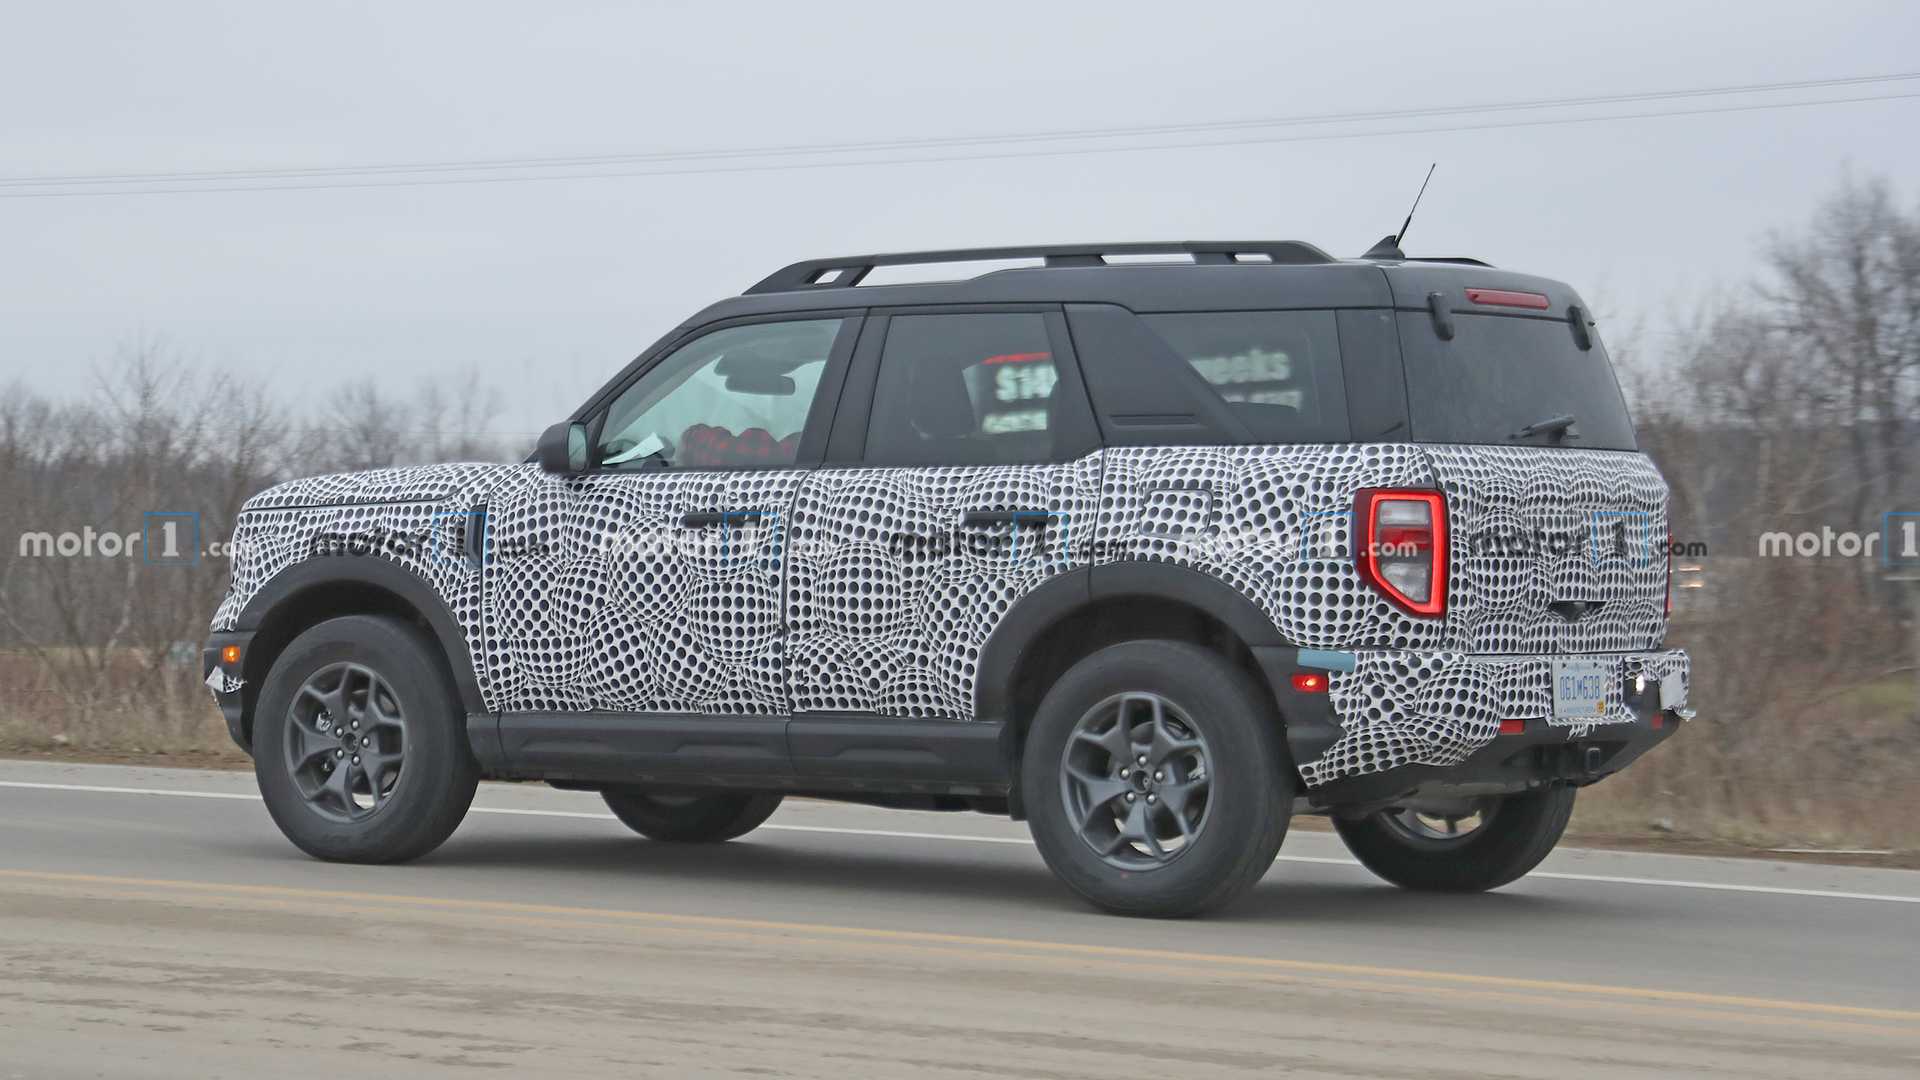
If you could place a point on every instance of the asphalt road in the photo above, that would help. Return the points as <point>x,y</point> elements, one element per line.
<point>145,934</point>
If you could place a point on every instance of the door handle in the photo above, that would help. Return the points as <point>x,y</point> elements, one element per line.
<point>1017,518</point>
<point>701,519</point>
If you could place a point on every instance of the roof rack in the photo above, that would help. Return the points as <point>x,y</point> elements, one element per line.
<point>847,272</point>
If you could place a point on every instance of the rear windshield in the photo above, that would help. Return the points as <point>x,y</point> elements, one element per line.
<point>1501,373</point>
<point>1279,371</point>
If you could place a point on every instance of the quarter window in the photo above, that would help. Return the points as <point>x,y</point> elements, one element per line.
<point>1279,371</point>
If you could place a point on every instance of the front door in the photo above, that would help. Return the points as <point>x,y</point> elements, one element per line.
<point>652,584</point>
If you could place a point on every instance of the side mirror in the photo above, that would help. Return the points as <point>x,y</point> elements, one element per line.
<point>563,449</point>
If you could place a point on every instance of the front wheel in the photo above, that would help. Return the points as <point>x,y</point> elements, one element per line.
<point>360,744</point>
<point>1155,779</point>
<point>1471,846</point>
<point>690,819</point>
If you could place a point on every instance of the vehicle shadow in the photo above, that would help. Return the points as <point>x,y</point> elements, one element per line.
<point>812,872</point>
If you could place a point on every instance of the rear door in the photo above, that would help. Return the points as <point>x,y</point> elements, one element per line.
<point>1558,524</point>
<point>962,474</point>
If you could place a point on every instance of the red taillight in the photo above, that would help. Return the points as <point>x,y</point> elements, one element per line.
<point>1309,682</point>
<point>1513,727</point>
<point>1402,547</point>
<point>1508,298</point>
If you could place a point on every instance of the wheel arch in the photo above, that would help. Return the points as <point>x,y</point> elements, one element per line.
<point>1076,614</point>
<point>309,593</point>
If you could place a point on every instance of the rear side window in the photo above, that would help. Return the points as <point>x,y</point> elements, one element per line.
<point>1278,371</point>
<point>1502,373</point>
<point>964,389</point>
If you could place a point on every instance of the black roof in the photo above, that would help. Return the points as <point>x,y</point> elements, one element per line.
<point>1220,276</point>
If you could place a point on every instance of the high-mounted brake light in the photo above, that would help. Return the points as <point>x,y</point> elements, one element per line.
<point>1509,298</point>
<point>1402,547</point>
<point>1017,358</point>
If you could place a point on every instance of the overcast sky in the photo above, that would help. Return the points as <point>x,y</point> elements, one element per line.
<point>548,287</point>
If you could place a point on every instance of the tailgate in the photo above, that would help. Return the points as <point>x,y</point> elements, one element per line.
<point>1553,550</point>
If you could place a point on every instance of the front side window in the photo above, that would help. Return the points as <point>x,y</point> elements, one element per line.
<point>737,397</point>
<point>964,389</point>
<point>1279,371</point>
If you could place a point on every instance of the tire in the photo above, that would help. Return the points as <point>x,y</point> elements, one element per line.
<point>413,804</point>
<point>1516,834</point>
<point>691,819</point>
<point>1242,808</point>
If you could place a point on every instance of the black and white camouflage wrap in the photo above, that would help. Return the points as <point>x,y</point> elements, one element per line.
<point>598,596</point>
<point>412,516</point>
<point>891,596</point>
<point>1274,522</point>
<point>860,590</point>
<point>1436,708</point>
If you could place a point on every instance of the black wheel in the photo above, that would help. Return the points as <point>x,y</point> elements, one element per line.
<point>1156,781</point>
<point>1467,846</point>
<point>359,743</point>
<point>691,819</point>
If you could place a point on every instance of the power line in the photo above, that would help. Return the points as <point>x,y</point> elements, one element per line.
<point>749,166</point>
<point>939,142</point>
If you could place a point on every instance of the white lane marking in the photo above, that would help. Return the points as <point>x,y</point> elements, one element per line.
<point>129,790</point>
<point>896,834</point>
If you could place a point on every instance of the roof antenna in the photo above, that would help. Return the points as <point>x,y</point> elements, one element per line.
<point>1389,247</point>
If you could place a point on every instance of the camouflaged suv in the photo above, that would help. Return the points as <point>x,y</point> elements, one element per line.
<point>1150,545</point>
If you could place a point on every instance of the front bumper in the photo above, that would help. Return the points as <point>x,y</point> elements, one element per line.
<point>1400,721</point>
<point>228,682</point>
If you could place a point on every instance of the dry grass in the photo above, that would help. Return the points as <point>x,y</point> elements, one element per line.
<point>1830,774</point>
<point>125,710</point>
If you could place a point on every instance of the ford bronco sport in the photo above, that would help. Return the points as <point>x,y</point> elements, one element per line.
<point>1150,555</point>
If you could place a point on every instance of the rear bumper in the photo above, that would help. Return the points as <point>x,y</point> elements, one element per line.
<point>1401,721</point>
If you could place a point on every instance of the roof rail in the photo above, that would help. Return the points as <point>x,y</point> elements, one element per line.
<point>847,272</point>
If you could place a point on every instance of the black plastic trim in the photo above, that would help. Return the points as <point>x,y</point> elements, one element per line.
<point>1060,596</point>
<point>627,747</point>
<point>824,752</point>
<point>323,572</point>
<point>885,748</point>
<point>1311,726</point>
<point>232,705</point>
<point>1143,394</point>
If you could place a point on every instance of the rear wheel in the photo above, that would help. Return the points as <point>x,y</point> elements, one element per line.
<point>1469,845</point>
<point>690,819</point>
<point>1155,780</point>
<point>360,746</point>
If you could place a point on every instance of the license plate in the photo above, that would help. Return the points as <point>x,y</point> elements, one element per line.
<point>1580,688</point>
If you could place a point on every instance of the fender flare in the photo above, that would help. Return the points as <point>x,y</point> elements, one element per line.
<point>1061,596</point>
<point>387,576</point>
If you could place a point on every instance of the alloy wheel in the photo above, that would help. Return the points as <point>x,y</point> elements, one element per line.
<point>346,741</point>
<point>1137,780</point>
